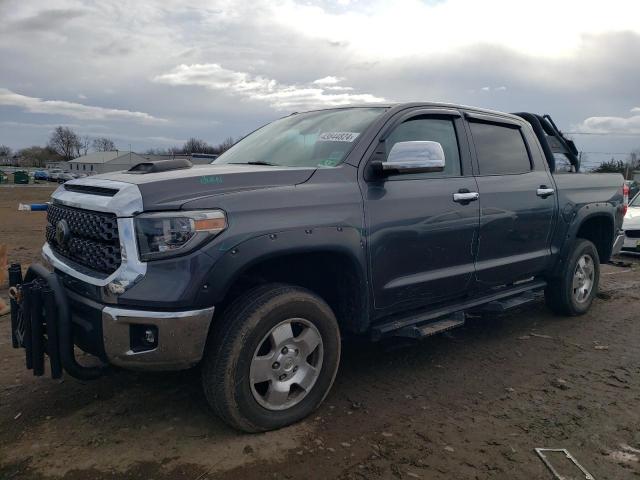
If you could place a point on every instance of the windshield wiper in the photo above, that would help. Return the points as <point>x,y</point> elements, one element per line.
<point>255,162</point>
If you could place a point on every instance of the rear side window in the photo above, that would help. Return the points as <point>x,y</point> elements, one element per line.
<point>563,165</point>
<point>501,150</point>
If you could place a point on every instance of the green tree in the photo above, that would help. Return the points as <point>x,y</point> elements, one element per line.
<point>611,166</point>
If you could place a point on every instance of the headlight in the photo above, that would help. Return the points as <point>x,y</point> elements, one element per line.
<point>166,234</point>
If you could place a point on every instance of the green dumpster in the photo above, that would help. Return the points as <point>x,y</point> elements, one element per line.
<point>21,177</point>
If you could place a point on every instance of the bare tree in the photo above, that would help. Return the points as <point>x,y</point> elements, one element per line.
<point>37,156</point>
<point>104,144</point>
<point>196,145</point>
<point>226,145</point>
<point>83,145</point>
<point>65,142</point>
<point>634,159</point>
<point>5,151</point>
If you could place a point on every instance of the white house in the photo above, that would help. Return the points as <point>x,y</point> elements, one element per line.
<point>102,162</point>
<point>62,165</point>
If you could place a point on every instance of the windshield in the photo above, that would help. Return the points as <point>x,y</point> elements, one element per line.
<point>312,139</point>
<point>636,201</point>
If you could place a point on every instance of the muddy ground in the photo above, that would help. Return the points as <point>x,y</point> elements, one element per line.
<point>472,403</point>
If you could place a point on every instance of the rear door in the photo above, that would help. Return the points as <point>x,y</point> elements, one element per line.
<point>421,240</point>
<point>517,201</point>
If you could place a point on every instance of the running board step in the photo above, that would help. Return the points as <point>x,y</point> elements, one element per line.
<point>431,328</point>
<point>498,306</point>
<point>421,318</point>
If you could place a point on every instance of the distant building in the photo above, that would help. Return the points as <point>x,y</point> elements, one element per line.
<point>62,165</point>
<point>102,162</point>
<point>11,160</point>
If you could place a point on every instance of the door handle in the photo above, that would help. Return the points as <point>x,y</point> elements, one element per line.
<point>544,191</point>
<point>465,197</point>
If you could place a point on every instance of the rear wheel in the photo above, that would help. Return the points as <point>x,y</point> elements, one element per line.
<point>272,359</point>
<point>573,292</point>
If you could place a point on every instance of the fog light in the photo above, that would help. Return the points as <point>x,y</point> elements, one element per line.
<point>143,337</point>
<point>150,336</point>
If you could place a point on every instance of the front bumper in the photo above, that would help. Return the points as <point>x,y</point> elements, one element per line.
<point>117,335</point>
<point>619,243</point>
<point>179,343</point>
<point>47,318</point>
<point>631,244</point>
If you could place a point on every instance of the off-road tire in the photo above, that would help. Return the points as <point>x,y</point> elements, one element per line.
<point>234,339</point>
<point>559,295</point>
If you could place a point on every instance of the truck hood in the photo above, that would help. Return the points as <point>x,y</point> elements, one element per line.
<point>169,190</point>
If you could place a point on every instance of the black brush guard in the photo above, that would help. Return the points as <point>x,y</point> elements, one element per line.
<point>41,323</point>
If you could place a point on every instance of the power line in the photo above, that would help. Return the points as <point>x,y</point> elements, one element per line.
<point>608,153</point>
<point>604,134</point>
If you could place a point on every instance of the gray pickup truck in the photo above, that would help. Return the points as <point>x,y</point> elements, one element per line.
<point>377,221</point>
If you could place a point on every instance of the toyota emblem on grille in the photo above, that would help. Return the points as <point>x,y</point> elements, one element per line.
<point>63,233</point>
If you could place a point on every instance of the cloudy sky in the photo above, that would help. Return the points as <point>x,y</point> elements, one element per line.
<point>152,74</point>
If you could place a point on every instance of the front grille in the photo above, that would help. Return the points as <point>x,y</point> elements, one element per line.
<point>93,237</point>
<point>632,233</point>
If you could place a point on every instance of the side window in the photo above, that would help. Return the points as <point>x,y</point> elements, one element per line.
<point>500,149</point>
<point>433,129</point>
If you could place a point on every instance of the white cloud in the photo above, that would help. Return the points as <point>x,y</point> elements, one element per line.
<point>404,28</point>
<point>501,88</point>
<point>330,80</point>
<point>613,125</point>
<point>70,109</point>
<point>339,88</point>
<point>47,126</point>
<point>635,110</point>
<point>167,140</point>
<point>401,49</point>
<point>256,87</point>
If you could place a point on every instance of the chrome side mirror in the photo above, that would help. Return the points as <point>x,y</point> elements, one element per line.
<point>415,157</point>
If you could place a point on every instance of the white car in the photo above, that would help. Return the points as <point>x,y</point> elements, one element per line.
<point>54,173</point>
<point>631,226</point>
<point>64,176</point>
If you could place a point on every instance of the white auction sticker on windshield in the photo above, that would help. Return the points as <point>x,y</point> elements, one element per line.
<point>338,137</point>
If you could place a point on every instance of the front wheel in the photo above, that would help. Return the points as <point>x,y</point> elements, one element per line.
<point>272,359</point>
<point>572,293</point>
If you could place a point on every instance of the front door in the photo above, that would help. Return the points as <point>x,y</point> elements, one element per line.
<point>421,241</point>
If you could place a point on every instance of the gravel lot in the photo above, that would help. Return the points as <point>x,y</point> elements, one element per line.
<point>472,403</point>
